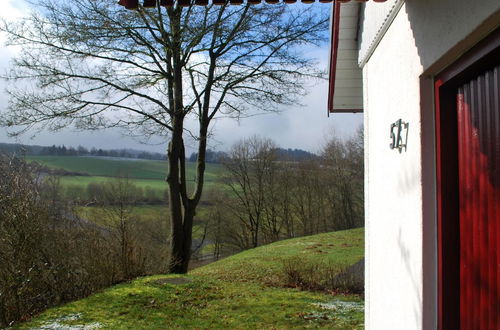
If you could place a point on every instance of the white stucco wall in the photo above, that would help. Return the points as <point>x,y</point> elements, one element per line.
<point>394,215</point>
<point>424,35</point>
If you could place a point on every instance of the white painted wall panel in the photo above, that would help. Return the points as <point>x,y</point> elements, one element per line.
<point>373,16</point>
<point>437,26</point>
<point>393,214</point>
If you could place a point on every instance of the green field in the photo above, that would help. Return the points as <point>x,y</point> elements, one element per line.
<point>144,212</point>
<point>143,173</point>
<point>133,168</point>
<point>234,293</point>
<point>85,180</point>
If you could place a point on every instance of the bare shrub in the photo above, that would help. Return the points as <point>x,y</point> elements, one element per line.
<point>346,279</point>
<point>302,274</point>
<point>138,242</point>
<point>322,276</point>
<point>47,255</point>
<point>119,197</point>
<point>151,236</point>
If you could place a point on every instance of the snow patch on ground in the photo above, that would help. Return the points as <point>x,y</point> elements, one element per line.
<point>59,323</point>
<point>342,306</point>
<point>342,312</point>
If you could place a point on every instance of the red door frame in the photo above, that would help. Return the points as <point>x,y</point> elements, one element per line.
<point>479,58</point>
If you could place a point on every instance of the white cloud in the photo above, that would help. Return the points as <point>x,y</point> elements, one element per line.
<point>13,9</point>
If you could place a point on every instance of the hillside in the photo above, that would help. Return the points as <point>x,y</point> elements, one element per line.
<point>240,292</point>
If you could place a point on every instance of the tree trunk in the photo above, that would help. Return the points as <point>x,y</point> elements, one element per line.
<point>178,261</point>
<point>182,208</point>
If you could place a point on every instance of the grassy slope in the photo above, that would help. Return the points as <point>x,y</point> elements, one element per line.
<point>230,294</point>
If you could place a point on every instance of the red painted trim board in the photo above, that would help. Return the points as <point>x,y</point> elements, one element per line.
<point>333,54</point>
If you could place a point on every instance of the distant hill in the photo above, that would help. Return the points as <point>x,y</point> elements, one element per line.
<point>20,149</point>
<point>37,150</point>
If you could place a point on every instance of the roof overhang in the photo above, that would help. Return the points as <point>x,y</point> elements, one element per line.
<point>134,4</point>
<point>345,90</point>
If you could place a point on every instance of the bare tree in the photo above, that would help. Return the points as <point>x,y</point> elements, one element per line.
<point>120,195</point>
<point>307,198</point>
<point>285,183</point>
<point>250,169</point>
<point>93,64</point>
<point>344,161</point>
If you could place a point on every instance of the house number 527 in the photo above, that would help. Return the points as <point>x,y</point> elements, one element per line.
<point>399,135</point>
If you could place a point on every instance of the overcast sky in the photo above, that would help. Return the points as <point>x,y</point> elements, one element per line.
<point>305,127</point>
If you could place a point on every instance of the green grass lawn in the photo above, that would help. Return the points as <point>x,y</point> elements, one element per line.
<point>233,293</point>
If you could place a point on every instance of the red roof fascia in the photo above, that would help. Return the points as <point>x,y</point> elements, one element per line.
<point>334,40</point>
<point>134,4</point>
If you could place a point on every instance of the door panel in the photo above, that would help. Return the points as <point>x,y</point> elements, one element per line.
<point>478,117</point>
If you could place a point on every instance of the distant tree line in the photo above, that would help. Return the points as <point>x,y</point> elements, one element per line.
<point>280,154</point>
<point>212,156</point>
<point>293,154</point>
<point>78,151</point>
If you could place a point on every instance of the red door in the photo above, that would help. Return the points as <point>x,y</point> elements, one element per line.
<point>478,118</point>
<point>467,100</point>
